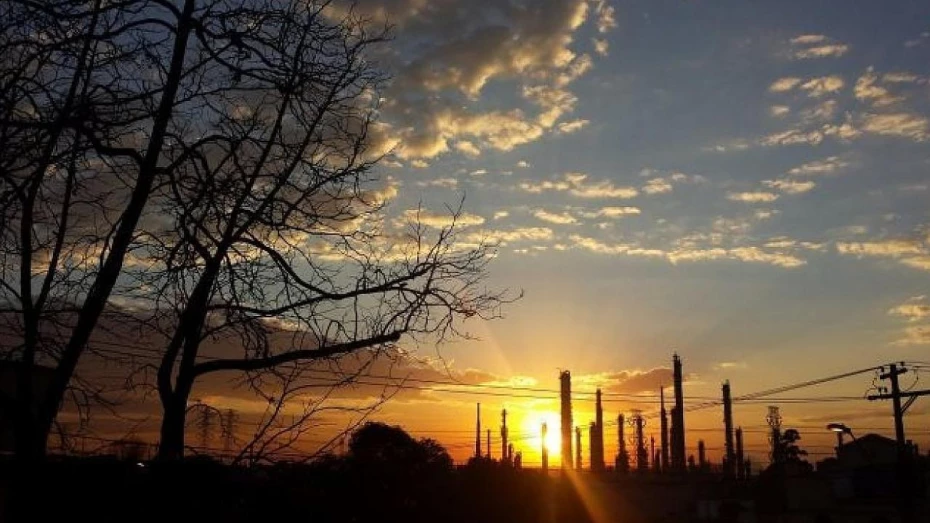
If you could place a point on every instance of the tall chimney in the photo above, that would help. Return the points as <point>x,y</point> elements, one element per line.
<point>702,456</point>
<point>678,419</point>
<point>623,459</point>
<point>642,458</point>
<point>478,432</point>
<point>597,436</point>
<point>740,472</point>
<point>577,448</point>
<point>729,459</point>
<point>565,380</point>
<point>663,437</point>
<point>504,453</point>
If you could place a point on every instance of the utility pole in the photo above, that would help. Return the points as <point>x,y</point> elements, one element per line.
<point>545,451</point>
<point>678,418</point>
<point>904,468</point>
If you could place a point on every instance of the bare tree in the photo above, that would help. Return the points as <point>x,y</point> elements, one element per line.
<point>88,90</point>
<point>268,232</point>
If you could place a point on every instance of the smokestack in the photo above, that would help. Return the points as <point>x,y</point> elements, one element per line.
<point>577,448</point>
<point>623,459</point>
<point>740,473</point>
<point>504,452</point>
<point>730,459</point>
<point>702,457</point>
<point>565,381</point>
<point>678,419</point>
<point>663,437</point>
<point>652,452</point>
<point>545,451</point>
<point>478,432</point>
<point>488,454</point>
<point>597,436</point>
<point>642,459</point>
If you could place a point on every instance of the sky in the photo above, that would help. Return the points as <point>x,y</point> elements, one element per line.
<point>743,183</point>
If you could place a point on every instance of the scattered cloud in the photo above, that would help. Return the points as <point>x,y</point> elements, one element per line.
<point>784,84</point>
<point>467,148</point>
<point>577,185</point>
<point>419,164</point>
<point>448,183</point>
<point>627,381</point>
<point>440,220</point>
<point>816,46</point>
<point>613,212</point>
<point>601,46</point>
<point>752,197</point>
<point>683,254</point>
<point>914,309</point>
<point>606,19</point>
<point>779,111</point>
<point>561,218</point>
<point>823,85</point>
<point>573,126</point>
<point>523,164</point>
<point>905,125</point>
<point>829,165</point>
<point>657,186</point>
<point>868,90</point>
<point>501,214</point>
<point>790,186</point>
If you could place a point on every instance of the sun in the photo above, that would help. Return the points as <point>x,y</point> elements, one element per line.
<point>532,426</point>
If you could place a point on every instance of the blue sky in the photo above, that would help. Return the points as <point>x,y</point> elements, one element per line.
<point>744,182</point>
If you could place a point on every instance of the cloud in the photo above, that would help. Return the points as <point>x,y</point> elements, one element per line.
<point>575,184</point>
<point>682,254</point>
<point>823,85</point>
<point>784,84</point>
<point>752,197</point>
<point>523,164</point>
<point>816,46</point>
<point>915,335</point>
<point>467,148</point>
<point>657,186</point>
<point>501,214</point>
<point>829,165</point>
<point>904,125</point>
<point>448,183</point>
<point>562,218</point>
<point>891,248</point>
<point>868,90</point>
<point>605,17</point>
<point>572,126</point>
<point>901,78</point>
<point>616,212</point>
<point>790,186</point>
<point>914,309</point>
<point>808,39</point>
<point>448,53</point>
<point>419,164</point>
<point>914,42</point>
<point>628,381</point>
<point>439,220</point>
<point>779,111</point>
<point>504,237</point>
<point>601,46</point>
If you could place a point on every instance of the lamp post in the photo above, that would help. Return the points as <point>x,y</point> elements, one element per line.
<point>840,429</point>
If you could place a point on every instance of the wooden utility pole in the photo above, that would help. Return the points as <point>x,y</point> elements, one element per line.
<point>905,470</point>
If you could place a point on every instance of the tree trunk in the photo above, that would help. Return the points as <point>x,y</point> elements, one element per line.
<point>171,445</point>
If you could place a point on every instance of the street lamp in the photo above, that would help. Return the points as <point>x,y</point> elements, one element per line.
<point>840,429</point>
